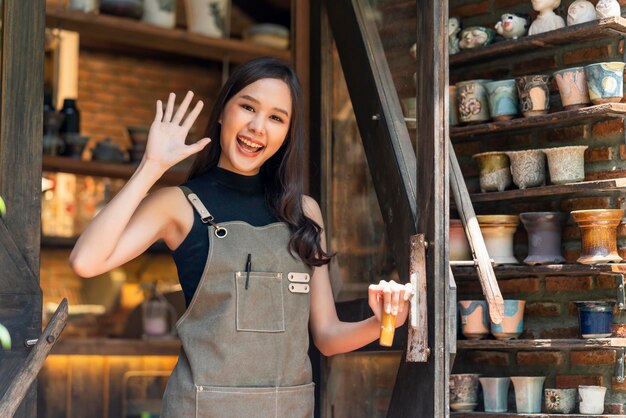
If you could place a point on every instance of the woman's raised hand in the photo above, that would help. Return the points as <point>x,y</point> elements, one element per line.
<point>391,297</point>
<point>166,140</point>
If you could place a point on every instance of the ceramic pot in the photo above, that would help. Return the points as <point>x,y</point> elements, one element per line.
<point>528,393</point>
<point>512,323</point>
<point>463,392</point>
<point>474,319</point>
<point>566,164</point>
<point>86,6</point>
<point>495,393</point>
<point>595,318</point>
<point>498,231</point>
<point>605,82</point>
<point>502,99</point>
<point>572,84</point>
<point>208,17</point>
<point>598,228</point>
<point>459,246</point>
<point>494,171</point>
<point>453,114</point>
<point>534,94</point>
<point>124,8</point>
<point>560,401</point>
<point>409,106</point>
<point>472,100</point>
<point>544,237</point>
<point>160,12</point>
<point>591,399</point>
<point>528,167</point>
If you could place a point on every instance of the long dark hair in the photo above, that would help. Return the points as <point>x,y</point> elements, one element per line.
<point>281,173</point>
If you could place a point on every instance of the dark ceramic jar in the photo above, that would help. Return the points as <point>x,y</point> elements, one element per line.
<point>544,237</point>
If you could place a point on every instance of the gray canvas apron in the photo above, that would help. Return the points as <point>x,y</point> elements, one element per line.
<point>244,351</point>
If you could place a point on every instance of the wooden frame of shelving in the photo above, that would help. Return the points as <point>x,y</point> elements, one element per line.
<point>544,344</point>
<point>143,36</point>
<point>511,271</point>
<point>597,29</point>
<point>540,415</point>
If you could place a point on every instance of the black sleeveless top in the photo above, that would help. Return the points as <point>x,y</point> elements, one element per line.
<point>229,197</point>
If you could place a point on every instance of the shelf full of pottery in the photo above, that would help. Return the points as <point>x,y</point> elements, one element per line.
<point>590,92</point>
<point>515,33</point>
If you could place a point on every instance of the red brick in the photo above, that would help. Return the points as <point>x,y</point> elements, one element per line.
<point>605,281</point>
<point>617,386</point>
<point>579,203</point>
<point>467,148</point>
<point>571,332</point>
<point>608,127</point>
<point>622,152</point>
<point>593,155</point>
<point>614,408</point>
<point>534,66</point>
<point>570,233</point>
<point>565,134</point>
<point>620,47</point>
<point>586,54</point>
<point>491,358</point>
<point>520,285</point>
<point>592,358</point>
<point>619,330</point>
<point>543,309</point>
<point>539,358</point>
<point>467,287</point>
<point>605,175</point>
<point>568,283</point>
<point>622,253</point>
<point>471,9</point>
<point>573,381</point>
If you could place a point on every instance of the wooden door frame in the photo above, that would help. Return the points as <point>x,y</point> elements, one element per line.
<point>21,129</point>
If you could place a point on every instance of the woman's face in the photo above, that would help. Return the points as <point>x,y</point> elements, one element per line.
<point>255,123</point>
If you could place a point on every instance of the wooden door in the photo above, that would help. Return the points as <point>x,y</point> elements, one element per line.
<point>21,127</point>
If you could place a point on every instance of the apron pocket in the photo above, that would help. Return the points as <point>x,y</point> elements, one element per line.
<point>246,402</point>
<point>260,307</point>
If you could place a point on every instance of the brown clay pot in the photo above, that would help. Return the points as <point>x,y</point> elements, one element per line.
<point>598,228</point>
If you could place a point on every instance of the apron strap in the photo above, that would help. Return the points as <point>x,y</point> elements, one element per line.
<point>205,215</point>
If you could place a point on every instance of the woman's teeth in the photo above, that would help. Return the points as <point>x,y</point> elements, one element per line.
<point>249,145</point>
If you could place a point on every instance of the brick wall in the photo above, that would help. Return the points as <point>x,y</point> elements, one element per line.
<point>550,312</point>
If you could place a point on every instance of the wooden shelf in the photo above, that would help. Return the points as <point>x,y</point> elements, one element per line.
<point>541,415</point>
<point>49,242</point>
<point>116,347</point>
<point>585,32</point>
<point>137,34</point>
<point>555,344</point>
<point>102,169</point>
<point>522,270</point>
<point>585,187</point>
<point>566,117</point>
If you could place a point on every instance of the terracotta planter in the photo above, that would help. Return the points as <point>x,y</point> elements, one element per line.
<point>513,321</point>
<point>605,81</point>
<point>495,393</point>
<point>591,399</point>
<point>494,171</point>
<point>498,231</point>
<point>474,319</point>
<point>544,237</point>
<point>566,164</point>
<point>472,99</point>
<point>598,228</point>
<point>502,99</point>
<point>560,401</point>
<point>463,392</point>
<point>528,167</point>
<point>572,87</point>
<point>528,391</point>
<point>534,94</point>
<point>459,246</point>
<point>595,318</point>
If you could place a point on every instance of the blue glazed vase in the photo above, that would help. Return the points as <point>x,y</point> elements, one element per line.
<point>605,81</point>
<point>595,318</point>
<point>502,99</point>
<point>513,321</point>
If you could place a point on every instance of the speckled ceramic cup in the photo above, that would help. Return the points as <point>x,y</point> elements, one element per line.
<point>528,167</point>
<point>566,164</point>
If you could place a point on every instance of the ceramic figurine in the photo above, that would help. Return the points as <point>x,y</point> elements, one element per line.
<point>608,8</point>
<point>454,27</point>
<point>580,11</point>
<point>476,36</point>
<point>512,25</point>
<point>547,19</point>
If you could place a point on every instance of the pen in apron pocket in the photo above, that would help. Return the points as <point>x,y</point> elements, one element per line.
<point>248,266</point>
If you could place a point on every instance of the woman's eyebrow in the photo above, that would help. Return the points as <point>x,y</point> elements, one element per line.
<point>252,99</point>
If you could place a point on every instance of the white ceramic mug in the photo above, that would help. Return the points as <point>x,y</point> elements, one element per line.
<point>591,399</point>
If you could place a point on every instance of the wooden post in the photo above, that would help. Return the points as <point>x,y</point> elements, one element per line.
<point>487,277</point>
<point>417,343</point>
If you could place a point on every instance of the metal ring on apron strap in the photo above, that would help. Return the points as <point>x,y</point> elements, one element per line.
<point>219,231</point>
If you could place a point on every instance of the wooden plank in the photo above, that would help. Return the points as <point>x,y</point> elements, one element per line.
<point>142,35</point>
<point>52,388</point>
<point>553,190</point>
<point>565,117</point>
<point>86,387</point>
<point>417,342</point>
<point>556,344</point>
<point>486,275</point>
<point>102,169</point>
<point>541,415</point>
<point>17,275</point>
<point>521,270</point>
<point>117,347</point>
<point>597,29</point>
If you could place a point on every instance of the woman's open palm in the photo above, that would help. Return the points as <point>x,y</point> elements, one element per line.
<point>166,140</point>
